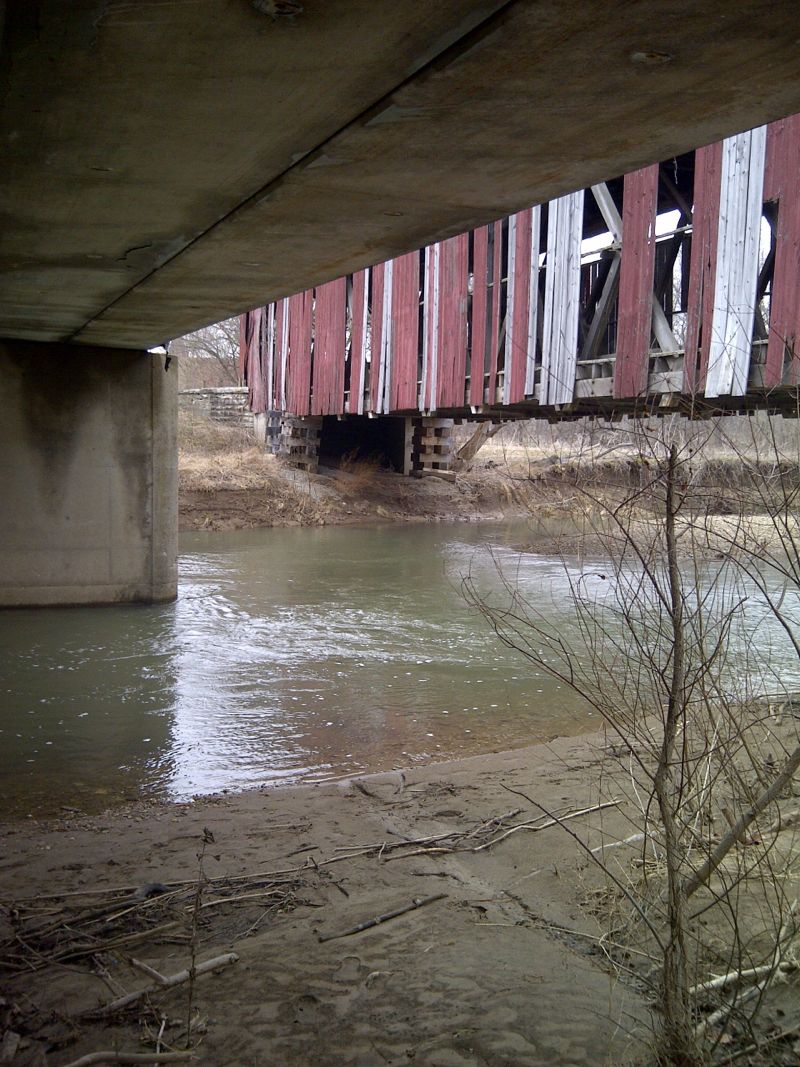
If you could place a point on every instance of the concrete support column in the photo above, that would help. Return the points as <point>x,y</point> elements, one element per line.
<point>88,475</point>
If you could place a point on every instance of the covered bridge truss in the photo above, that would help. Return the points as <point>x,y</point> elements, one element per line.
<point>584,305</point>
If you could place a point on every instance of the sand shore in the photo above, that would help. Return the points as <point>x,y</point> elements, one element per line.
<point>502,969</point>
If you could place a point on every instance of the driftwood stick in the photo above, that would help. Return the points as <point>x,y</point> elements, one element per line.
<point>166,983</point>
<point>420,902</point>
<point>71,952</point>
<point>734,978</point>
<point>632,840</point>
<point>131,1057</point>
<point>701,876</point>
<point>128,889</point>
<point>551,821</point>
<point>767,975</point>
<point>258,895</point>
<point>151,972</point>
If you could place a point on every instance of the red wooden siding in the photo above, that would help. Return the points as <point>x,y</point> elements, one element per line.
<point>280,377</point>
<point>702,269</point>
<point>405,332</point>
<point>430,350</point>
<point>781,178</point>
<point>357,341</point>
<point>480,305</point>
<point>376,334</point>
<point>329,348</point>
<point>494,333</point>
<point>637,264</point>
<point>289,346</point>
<point>298,373</point>
<point>517,335</point>
<point>453,322</point>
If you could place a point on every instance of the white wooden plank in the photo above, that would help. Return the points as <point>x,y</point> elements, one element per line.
<point>365,345</point>
<point>533,302</point>
<point>284,349</point>
<point>434,351</point>
<point>426,311</point>
<point>384,369</point>
<point>510,287</point>
<point>561,300</point>
<point>662,330</point>
<point>737,263</point>
<point>608,209</point>
<point>270,357</point>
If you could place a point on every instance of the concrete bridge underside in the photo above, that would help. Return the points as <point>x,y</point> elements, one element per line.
<point>166,164</point>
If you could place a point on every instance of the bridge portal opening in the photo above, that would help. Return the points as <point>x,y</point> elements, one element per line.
<point>382,440</point>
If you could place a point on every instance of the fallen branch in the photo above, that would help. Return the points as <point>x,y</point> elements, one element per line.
<point>369,923</point>
<point>166,983</point>
<point>733,979</point>
<point>533,825</point>
<point>632,840</point>
<point>582,844</point>
<point>701,876</point>
<point>767,974</point>
<point>551,821</point>
<point>151,972</point>
<point>131,1057</point>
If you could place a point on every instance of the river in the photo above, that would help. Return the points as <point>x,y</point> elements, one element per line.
<point>291,655</point>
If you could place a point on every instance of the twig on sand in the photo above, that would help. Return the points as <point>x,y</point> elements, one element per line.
<point>131,1057</point>
<point>420,902</point>
<point>166,982</point>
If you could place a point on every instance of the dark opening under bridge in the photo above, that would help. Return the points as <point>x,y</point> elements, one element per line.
<point>536,314</point>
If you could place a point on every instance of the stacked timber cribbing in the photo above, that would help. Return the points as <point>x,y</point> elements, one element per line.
<point>227,404</point>
<point>522,316</point>
<point>299,443</point>
<point>432,445</point>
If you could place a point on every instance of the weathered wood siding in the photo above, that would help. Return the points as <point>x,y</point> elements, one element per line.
<point>739,230</point>
<point>470,322</point>
<point>637,264</point>
<point>329,348</point>
<point>517,305</point>
<point>452,351</point>
<point>480,320</point>
<point>377,322</point>
<point>496,260</point>
<point>703,265</point>
<point>561,300</point>
<point>781,178</point>
<point>359,333</point>
<point>298,392</point>
<point>404,351</point>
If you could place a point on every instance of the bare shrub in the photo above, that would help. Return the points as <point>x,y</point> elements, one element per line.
<point>675,645</point>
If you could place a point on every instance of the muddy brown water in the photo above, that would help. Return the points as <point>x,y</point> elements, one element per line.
<point>290,655</point>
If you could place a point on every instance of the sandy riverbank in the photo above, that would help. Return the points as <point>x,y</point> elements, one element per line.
<point>497,971</point>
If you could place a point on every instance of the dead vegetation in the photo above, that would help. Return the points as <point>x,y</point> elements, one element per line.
<point>670,652</point>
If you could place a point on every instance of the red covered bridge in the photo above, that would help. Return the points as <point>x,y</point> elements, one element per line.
<point>677,286</point>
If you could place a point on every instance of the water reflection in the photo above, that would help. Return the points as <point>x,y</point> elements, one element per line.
<point>290,654</point>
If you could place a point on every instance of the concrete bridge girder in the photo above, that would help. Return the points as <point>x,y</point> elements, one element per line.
<point>169,164</point>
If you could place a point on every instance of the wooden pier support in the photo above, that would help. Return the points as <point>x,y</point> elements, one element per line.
<point>432,445</point>
<point>300,440</point>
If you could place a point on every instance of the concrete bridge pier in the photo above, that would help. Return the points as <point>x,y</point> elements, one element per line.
<point>88,475</point>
